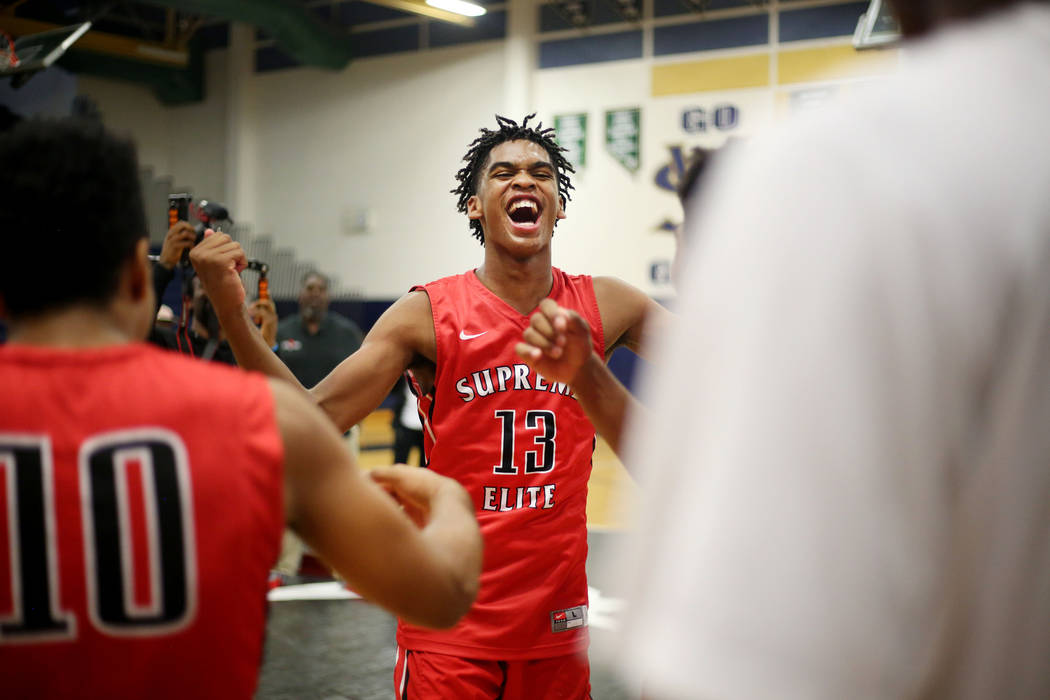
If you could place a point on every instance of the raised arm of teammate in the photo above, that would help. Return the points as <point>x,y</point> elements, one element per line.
<point>218,261</point>
<point>427,572</point>
<point>557,344</point>
<point>630,318</point>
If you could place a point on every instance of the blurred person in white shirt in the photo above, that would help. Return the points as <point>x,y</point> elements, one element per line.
<point>862,366</point>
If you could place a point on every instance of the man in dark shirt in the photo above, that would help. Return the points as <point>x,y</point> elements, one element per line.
<point>313,341</point>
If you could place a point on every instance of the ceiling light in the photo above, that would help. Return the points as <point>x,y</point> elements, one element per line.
<point>459,7</point>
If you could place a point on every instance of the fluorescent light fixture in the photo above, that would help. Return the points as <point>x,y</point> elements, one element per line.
<point>459,7</point>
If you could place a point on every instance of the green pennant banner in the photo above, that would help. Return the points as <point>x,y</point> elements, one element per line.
<point>571,133</point>
<point>623,128</point>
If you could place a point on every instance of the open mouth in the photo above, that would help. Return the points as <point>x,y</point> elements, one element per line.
<point>524,211</point>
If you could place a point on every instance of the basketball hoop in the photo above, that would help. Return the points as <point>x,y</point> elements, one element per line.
<point>23,57</point>
<point>8,57</point>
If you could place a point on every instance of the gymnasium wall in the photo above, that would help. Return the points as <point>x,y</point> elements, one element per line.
<point>186,142</point>
<point>352,169</point>
<point>357,166</point>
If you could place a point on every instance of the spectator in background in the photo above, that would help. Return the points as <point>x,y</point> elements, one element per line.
<point>408,428</point>
<point>862,508</point>
<point>315,340</point>
<point>178,239</point>
<point>203,337</point>
<point>311,343</point>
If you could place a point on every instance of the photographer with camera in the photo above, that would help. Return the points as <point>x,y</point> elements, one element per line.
<point>198,332</point>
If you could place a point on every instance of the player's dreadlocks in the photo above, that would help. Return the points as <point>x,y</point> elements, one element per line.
<point>483,145</point>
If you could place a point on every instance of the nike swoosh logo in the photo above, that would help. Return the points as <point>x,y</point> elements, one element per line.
<point>466,336</point>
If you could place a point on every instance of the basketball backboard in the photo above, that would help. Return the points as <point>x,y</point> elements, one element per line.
<point>877,28</point>
<point>34,52</point>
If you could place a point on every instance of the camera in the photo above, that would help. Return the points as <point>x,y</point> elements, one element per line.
<point>207,213</point>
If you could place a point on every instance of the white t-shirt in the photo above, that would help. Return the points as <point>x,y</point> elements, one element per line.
<point>846,475</point>
<point>409,416</point>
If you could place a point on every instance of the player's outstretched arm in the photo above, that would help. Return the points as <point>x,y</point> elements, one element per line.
<point>404,334</point>
<point>360,382</point>
<point>630,318</point>
<point>425,571</point>
<point>557,345</point>
<point>218,261</point>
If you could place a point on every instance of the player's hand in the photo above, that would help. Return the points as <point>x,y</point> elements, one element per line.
<point>557,342</point>
<point>263,313</point>
<point>218,260</point>
<point>179,237</point>
<point>415,488</point>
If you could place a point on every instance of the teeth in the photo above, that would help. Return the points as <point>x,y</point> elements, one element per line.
<point>522,203</point>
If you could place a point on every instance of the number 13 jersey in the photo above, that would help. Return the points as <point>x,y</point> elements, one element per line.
<point>522,447</point>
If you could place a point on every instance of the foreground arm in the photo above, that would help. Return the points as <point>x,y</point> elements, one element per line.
<point>426,573</point>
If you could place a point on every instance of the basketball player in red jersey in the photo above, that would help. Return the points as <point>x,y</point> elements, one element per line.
<point>557,342</point>
<point>519,443</point>
<point>143,493</point>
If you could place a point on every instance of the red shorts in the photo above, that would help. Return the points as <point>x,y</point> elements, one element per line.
<point>425,675</point>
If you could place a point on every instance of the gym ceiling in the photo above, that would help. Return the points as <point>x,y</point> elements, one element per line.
<point>161,43</point>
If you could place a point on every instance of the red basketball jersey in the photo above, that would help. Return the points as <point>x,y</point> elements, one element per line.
<point>522,447</point>
<point>140,511</point>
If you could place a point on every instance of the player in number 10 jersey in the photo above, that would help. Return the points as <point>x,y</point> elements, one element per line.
<point>142,493</point>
